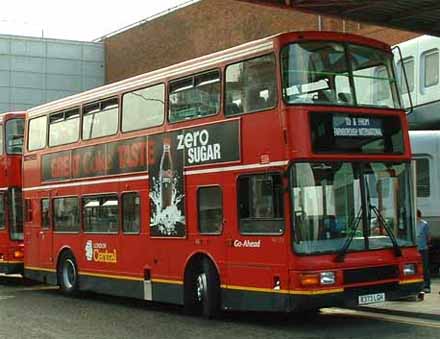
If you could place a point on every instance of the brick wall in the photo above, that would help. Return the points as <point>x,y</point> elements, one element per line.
<point>212,25</point>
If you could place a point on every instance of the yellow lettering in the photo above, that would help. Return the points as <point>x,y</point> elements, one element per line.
<point>105,256</point>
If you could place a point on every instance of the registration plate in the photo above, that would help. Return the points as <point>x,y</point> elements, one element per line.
<point>371,298</point>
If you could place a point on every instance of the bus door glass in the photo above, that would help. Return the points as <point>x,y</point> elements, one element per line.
<point>45,234</point>
<point>3,230</point>
<point>15,206</point>
<point>210,218</point>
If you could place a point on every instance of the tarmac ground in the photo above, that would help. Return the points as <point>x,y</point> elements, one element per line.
<point>426,307</point>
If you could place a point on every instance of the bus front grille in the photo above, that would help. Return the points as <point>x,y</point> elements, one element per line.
<point>370,274</point>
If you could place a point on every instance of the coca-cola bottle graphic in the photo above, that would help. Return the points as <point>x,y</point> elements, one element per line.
<point>166,177</point>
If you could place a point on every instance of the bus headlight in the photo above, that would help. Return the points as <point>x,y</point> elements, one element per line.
<point>409,269</point>
<point>328,278</point>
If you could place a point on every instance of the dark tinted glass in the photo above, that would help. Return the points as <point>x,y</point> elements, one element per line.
<point>66,215</point>
<point>131,213</point>
<point>45,213</point>
<point>260,202</point>
<point>210,208</point>
<point>101,214</point>
<point>15,213</point>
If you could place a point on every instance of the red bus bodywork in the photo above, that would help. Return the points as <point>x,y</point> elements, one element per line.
<point>255,272</point>
<point>11,250</point>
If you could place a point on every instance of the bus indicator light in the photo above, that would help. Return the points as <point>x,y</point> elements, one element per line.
<point>308,280</point>
<point>18,254</point>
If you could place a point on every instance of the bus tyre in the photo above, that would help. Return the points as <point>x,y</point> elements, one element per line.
<point>204,295</point>
<point>67,274</point>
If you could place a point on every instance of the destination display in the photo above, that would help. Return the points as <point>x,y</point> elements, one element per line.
<point>349,133</point>
<point>345,126</point>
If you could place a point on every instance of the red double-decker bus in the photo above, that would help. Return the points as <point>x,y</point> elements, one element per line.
<point>270,176</point>
<point>11,221</point>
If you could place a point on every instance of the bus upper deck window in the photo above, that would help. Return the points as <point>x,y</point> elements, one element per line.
<point>37,133</point>
<point>100,119</point>
<point>195,96</point>
<point>64,127</point>
<point>251,86</point>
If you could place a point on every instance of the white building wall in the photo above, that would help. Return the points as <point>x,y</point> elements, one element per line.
<point>37,70</point>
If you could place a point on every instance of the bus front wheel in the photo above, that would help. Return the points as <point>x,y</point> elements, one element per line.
<point>68,273</point>
<point>203,293</point>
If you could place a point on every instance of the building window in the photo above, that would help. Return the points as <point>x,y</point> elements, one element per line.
<point>251,86</point>
<point>63,127</point>
<point>422,174</point>
<point>100,119</point>
<point>408,63</point>
<point>210,208</point>
<point>143,108</point>
<point>193,97</point>
<point>37,133</point>
<point>431,69</point>
<point>66,214</point>
<point>131,213</point>
<point>260,204</point>
<point>101,214</point>
<point>45,221</point>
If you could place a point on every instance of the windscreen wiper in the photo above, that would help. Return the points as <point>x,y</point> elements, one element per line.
<point>397,250</point>
<point>353,227</point>
<point>383,223</point>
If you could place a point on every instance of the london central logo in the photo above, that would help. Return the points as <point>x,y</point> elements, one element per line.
<point>99,252</point>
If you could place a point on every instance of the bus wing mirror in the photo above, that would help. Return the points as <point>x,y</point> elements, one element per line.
<point>409,109</point>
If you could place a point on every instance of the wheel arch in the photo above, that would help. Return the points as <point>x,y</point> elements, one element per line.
<point>61,251</point>
<point>196,258</point>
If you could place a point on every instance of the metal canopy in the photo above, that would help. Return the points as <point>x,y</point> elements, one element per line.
<point>420,16</point>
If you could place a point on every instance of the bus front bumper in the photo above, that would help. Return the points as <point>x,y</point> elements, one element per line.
<point>351,297</point>
<point>243,299</point>
<point>11,267</point>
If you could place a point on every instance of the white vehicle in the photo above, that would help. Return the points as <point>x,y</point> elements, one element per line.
<point>426,152</point>
<point>422,65</point>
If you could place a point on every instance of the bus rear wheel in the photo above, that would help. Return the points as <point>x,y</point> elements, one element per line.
<point>203,292</point>
<point>68,274</point>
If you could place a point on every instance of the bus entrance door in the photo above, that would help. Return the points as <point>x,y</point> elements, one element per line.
<point>45,235</point>
<point>256,246</point>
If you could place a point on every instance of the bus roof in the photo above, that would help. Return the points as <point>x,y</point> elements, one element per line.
<point>8,115</point>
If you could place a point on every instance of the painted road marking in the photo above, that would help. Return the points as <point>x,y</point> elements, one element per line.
<point>40,288</point>
<point>5,297</point>
<point>383,317</point>
<point>31,289</point>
